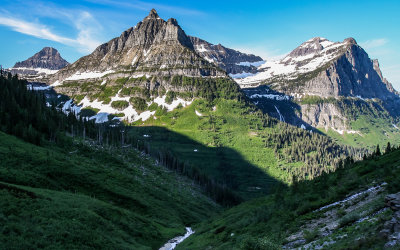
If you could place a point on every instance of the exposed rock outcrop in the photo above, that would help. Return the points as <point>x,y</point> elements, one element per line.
<point>232,61</point>
<point>391,228</point>
<point>324,115</point>
<point>153,47</point>
<point>323,71</point>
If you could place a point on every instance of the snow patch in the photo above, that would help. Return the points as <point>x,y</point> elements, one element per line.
<point>281,118</point>
<point>175,103</point>
<point>289,67</point>
<point>198,113</point>
<point>211,60</point>
<point>100,117</point>
<point>248,64</point>
<point>88,75</point>
<point>37,88</point>
<point>130,114</point>
<point>38,70</point>
<point>134,60</point>
<point>241,75</point>
<point>69,106</point>
<point>200,48</point>
<point>56,83</point>
<point>340,131</point>
<point>272,97</point>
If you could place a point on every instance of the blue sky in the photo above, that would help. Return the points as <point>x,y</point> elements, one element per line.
<point>266,28</point>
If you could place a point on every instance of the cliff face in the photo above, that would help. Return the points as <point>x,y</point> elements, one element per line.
<point>232,61</point>
<point>154,47</point>
<point>154,62</point>
<point>352,74</point>
<point>320,71</point>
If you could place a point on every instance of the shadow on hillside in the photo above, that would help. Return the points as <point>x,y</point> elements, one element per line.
<point>277,105</point>
<point>221,164</point>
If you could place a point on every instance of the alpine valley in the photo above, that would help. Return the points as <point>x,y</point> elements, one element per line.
<point>158,140</point>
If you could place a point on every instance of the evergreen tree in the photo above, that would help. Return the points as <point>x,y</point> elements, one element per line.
<point>388,148</point>
<point>378,150</point>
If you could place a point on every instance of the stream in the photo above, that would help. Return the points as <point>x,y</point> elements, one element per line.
<point>171,244</point>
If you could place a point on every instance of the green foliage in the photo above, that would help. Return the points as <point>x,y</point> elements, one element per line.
<point>153,107</point>
<point>88,112</point>
<point>90,196</point>
<point>138,104</point>
<point>348,219</point>
<point>310,235</point>
<point>135,91</point>
<point>120,105</point>
<point>24,113</point>
<point>313,99</point>
<point>280,214</point>
<point>170,97</point>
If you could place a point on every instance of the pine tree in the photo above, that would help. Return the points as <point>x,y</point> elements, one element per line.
<point>388,148</point>
<point>378,150</point>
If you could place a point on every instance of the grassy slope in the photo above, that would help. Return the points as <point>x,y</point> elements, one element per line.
<point>231,136</point>
<point>264,223</point>
<point>84,197</point>
<point>373,131</point>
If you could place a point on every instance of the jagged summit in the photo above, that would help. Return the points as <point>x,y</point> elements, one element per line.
<point>152,15</point>
<point>350,40</point>
<point>232,61</point>
<point>153,47</point>
<point>140,66</point>
<point>324,68</point>
<point>311,46</point>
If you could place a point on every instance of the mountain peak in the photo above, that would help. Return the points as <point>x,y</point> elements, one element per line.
<point>172,21</point>
<point>350,40</point>
<point>46,58</point>
<point>152,15</point>
<point>311,46</point>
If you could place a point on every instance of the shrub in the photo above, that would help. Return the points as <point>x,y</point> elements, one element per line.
<point>120,105</point>
<point>348,219</point>
<point>88,112</point>
<point>310,235</point>
<point>170,97</point>
<point>138,104</point>
<point>153,106</point>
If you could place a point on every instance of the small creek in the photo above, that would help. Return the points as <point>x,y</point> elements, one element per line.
<point>171,244</point>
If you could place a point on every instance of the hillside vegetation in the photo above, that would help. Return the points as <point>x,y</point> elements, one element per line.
<point>89,191</point>
<point>292,213</point>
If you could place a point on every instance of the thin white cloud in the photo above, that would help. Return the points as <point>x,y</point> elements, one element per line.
<point>375,43</point>
<point>83,23</point>
<point>33,29</point>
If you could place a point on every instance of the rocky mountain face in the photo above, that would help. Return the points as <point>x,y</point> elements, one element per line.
<point>153,47</point>
<point>319,76</point>
<point>153,62</point>
<point>323,68</point>
<point>46,61</point>
<point>232,61</point>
